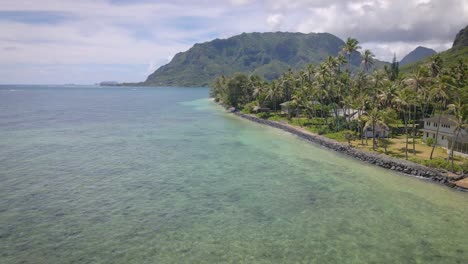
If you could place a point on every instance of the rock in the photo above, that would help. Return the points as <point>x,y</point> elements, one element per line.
<point>450,184</point>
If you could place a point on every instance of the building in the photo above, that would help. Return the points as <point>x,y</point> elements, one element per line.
<point>258,109</point>
<point>348,113</point>
<point>288,108</point>
<point>381,131</point>
<point>446,135</point>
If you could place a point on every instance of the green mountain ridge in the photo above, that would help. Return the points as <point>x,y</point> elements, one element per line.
<point>265,54</point>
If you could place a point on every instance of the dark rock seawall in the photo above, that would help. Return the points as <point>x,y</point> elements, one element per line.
<point>384,161</point>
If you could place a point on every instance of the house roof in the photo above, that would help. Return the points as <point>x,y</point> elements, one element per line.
<point>444,119</point>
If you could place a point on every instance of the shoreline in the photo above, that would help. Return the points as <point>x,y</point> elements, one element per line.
<point>398,165</point>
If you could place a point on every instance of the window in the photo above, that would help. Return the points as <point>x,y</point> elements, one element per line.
<point>443,137</point>
<point>427,134</point>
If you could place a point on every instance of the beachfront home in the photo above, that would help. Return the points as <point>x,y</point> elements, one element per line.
<point>258,109</point>
<point>348,113</point>
<point>446,135</point>
<point>381,131</point>
<point>288,107</point>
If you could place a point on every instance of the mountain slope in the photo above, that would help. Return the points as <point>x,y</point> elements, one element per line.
<point>461,39</point>
<point>459,51</point>
<point>265,54</point>
<point>417,54</point>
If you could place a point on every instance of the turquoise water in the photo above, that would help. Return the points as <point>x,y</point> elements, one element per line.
<point>163,175</point>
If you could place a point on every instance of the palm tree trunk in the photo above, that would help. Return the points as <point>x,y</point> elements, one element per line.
<point>414,131</point>
<point>436,137</point>
<point>360,127</point>
<point>452,147</point>
<point>406,132</point>
<point>373,135</point>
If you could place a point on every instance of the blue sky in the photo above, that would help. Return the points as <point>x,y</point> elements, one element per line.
<point>88,41</point>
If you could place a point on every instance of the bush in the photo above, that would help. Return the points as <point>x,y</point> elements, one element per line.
<point>264,115</point>
<point>464,166</point>
<point>430,141</point>
<point>248,108</point>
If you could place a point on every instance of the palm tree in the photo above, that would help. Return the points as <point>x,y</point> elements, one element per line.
<point>403,102</point>
<point>379,117</point>
<point>273,92</point>
<point>351,45</point>
<point>368,59</point>
<point>440,97</point>
<point>436,65</point>
<point>458,119</point>
<point>417,81</point>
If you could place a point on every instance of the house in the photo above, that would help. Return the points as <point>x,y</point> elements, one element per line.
<point>446,135</point>
<point>348,113</point>
<point>258,109</point>
<point>288,107</point>
<point>381,131</point>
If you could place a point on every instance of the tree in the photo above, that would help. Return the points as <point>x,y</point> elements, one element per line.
<point>351,45</point>
<point>395,69</point>
<point>439,96</point>
<point>458,119</point>
<point>403,102</point>
<point>417,81</point>
<point>368,59</point>
<point>436,65</point>
<point>273,93</point>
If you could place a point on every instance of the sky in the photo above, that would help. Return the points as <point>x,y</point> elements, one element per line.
<point>89,41</point>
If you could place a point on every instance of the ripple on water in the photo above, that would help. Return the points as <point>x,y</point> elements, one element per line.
<point>160,175</point>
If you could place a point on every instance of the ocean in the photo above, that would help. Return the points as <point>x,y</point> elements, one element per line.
<point>164,175</point>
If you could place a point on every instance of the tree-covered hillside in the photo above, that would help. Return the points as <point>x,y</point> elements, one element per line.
<point>416,55</point>
<point>265,54</point>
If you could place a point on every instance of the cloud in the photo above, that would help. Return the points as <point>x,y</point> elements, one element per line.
<point>274,21</point>
<point>52,40</point>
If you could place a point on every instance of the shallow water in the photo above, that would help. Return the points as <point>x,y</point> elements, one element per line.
<point>162,175</point>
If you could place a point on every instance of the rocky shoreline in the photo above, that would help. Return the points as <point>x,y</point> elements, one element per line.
<point>384,161</point>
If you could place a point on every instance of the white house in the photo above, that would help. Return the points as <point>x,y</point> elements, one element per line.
<point>348,113</point>
<point>446,133</point>
<point>381,131</point>
<point>288,107</point>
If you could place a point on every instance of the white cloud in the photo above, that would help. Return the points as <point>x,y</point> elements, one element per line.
<point>274,21</point>
<point>144,34</point>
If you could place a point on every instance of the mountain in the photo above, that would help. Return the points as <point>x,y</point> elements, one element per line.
<point>416,55</point>
<point>459,51</point>
<point>461,39</point>
<point>265,54</point>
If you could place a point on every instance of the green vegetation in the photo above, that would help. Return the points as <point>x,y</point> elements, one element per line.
<point>267,55</point>
<point>334,100</point>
